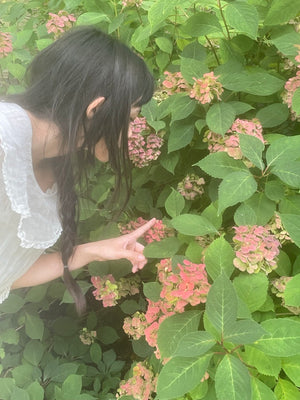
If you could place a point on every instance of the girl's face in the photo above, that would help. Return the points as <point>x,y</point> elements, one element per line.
<point>101,151</point>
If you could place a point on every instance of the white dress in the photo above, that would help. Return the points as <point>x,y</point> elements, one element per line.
<point>29,221</point>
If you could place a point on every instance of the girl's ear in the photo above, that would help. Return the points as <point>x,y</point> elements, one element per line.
<point>93,107</point>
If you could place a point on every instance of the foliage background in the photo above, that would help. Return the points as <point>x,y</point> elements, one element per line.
<point>246,336</point>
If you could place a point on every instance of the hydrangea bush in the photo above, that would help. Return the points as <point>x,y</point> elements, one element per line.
<point>214,315</point>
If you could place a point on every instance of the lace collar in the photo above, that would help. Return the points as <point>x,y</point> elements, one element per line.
<point>39,225</point>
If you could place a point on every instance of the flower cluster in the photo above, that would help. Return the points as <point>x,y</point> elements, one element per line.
<point>290,87</point>
<point>130,3</point>
<point>5,44</point>
<point>206,88</point>
<point>187,286</point>
<point>230,142</point>
<point>256,249</point>
<point>109,291</point>
<point>191,186</point>
<point>156,233</point>
<point>87,337</point>
<point>275,226</point>
<point>60,22</point>
<point>135,326</point>
<point>142,384</point>
<point>278,288</point>
<point>174,83</point>
<point>143,145</point>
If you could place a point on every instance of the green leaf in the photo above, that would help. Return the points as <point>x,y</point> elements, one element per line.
<point>244,332</point>
<point>290,205</point>
<point>96,353</point>
<point>192,68</point>
<point>282,338</point>
<point>35,391</point>
<point>108,334</point>
<point>165,44</point>
<point>12,304</point>
<point>23,374</point>
<point>273,115</point>
<point>288,173</point>
<point>243,17</point>
<point>245,215</point>
<point>193,225</point>
<point>180,375</point>
<point>201,24</point>
<point>211,213</point>
<point>240,107</point>
<point>291,224</point>
<point>283,151</point>
<point>33,352</point>
<point>232,380</point>
<point>34,326</point>
<point>43,43</point>
<point>263,208</point>
<point>265,364</point>
<point>291,366</point>
<point>169,161</point>
<point>164,249</point>
<point>174,328</point>
<point>282,11</point>
<point>182,107</point>
<point>252,289</point>
<point>296,102</point>
<point>274,190</point>
<point>19,394</point>
<point>219,165</point>
<point>252,81</point>
<point>291,294</point>
<point>222,304</point>
<point>72,385</point>
<point>63,371</point>
<point>219,257</point>
<point>160,10</point>
<point>152,290</point>
<point>285,43</point>
<point>6,387</point>
<point>195,344</point>
<point>236,187</point>
<point>252,148</point>
<point>220,117</point>
<point>260,391</point>
<point>92,18</point>
<point>181,134</point>
<point>285,390</point>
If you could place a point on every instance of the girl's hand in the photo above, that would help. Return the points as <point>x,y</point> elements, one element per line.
<point>125,246</point>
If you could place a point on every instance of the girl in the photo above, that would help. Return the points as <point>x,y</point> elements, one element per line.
<point>82,92</point>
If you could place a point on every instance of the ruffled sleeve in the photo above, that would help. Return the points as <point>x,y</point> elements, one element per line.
<point>39,226</point>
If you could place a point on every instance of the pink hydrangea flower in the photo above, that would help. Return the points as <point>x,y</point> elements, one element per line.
<point>230,142</point>
<point>276,227</point>
<point>256,249</point>
<point>191,186</point>
<point>60,22</point>
<point>174,83</point>
<point>109,291</point>
<point>5,44</point>
<point>87,337</point>
<point>142,384</point>
<point>206,88</point>
<point>290,87</point>
<point>156,233</point>
<point>130,3</point>
<point>278,287</point>
<point>135,326</point>
<point>143,145</point>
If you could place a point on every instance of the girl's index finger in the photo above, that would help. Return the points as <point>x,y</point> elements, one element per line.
<point>143,229</point>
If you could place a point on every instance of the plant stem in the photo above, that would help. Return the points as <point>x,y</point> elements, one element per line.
<point>223,18</point>
<point>213,50</point>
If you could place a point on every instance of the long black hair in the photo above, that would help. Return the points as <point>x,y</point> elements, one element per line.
<point>63,79</point>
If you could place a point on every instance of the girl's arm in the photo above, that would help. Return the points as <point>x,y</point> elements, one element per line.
<point>50,266</point>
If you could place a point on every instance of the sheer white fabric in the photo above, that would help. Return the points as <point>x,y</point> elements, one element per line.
<point>29,221</point>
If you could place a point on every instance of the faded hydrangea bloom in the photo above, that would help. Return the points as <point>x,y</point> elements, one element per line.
<point>256,249</point>
<point>142,384</point>
<point>174,83</point>
<point>135,326</point>
<point>191,186</point>
<point>87,337</point>
<point>109,291</point>
<point>60,22</point>
<point>291,86</point>
<point>207,88</point>
<point>5,44</point>
<point>156,233</point>
<point>143,145</point>
<point>278,288</point>
<point>230,142</point>
<point>275,226</point>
